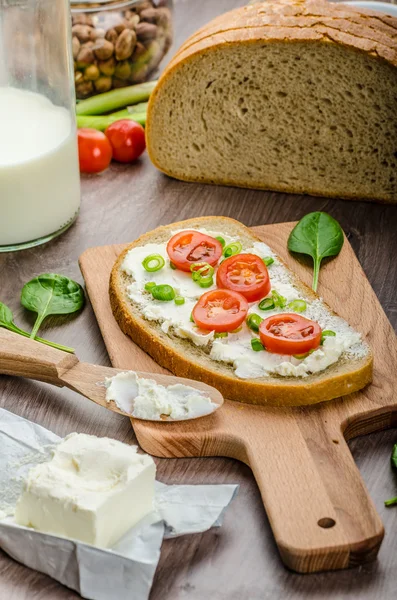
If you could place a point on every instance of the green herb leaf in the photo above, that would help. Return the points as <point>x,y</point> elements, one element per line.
<point>391,502</point>
<point>51,294</point>
<point>394,457</point>
<point>6,317</point>
<point>7,322</point>
<point>319,235</point>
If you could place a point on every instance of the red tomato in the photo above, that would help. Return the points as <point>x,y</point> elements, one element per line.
<point>188,247</point>
<point>95,151</point>
<point>246,274</point>
<point>220,310</point>
<point>289,333</point>
<point>127,139</point>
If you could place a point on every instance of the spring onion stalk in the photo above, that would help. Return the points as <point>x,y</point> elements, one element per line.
<point>179,300</point>
<point>131,110</point>
<point>327,333</point>
<point>221,240</point>
<point>221,334</point>
<point>172,266</point>
<point>266,304</point>
<point>232,249</point>
<point>268,260</point>
<point>256,345</point>
<point>191,318</point>
<point>163,292</point>
<point>391,502</point>
<point>298,306</point>
<point>150,285</point>
<point>153,263</point>
<point>102,122</point>
<point>278,300</point>
<point>253,322</point>
<point>120,98</point>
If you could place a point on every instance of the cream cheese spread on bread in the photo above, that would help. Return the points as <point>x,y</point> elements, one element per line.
<point>235,349</point>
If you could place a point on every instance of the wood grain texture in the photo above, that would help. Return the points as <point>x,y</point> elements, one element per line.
<point>26,358</point>
<point>239,561</point>
<point>319,510</point>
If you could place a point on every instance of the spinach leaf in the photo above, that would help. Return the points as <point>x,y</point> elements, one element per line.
<point>394,457</point>
<point>318,235</point>
<point>7,322</point>
<point>6,317</point>
<point>51,294</point>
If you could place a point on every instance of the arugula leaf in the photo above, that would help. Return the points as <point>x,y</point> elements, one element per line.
<point>318,235</point>
<point>51,294</point>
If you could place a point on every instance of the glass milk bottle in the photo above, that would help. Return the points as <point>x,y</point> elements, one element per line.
<point>39,172</point>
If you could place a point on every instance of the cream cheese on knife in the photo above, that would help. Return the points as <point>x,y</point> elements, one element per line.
<point>145,399</point>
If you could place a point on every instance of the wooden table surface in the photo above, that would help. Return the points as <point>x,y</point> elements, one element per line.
<point>240,560</point>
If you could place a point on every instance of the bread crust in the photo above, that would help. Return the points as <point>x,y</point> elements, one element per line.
<point>181,358</point>
<point>313,21</point>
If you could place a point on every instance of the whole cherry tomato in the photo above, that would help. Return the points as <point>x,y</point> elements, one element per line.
<point>95,151</point>
<point>127,139</point>
<point>188,247</point>
<point>246,274</point>
<point>220,310</point>
<point>289,333</point>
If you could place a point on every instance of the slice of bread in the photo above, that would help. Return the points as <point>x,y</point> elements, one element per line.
<point>297,97</point>
<point>183,358</point>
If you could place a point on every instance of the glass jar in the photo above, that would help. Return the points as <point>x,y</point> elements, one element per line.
<point>117,43</point>
<point>39,172</point>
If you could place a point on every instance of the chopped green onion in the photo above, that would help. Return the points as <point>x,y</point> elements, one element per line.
<point>327,333</point>
<point>298,306</point>
<point>237,329</point>
<point>279,300</point>
<point>266,304</point>
<point>150,285</point>
<point>221,334</point>
<point>164,292</point>
<point>191,317</point>
<point>179,300</point>
<point>153,262</point>
<point>268,260</point>
<point>221,240</point>
<point>172,266</point>
<point>202,273</point>
<point>256,345</point>
<point>253,322</point>
<point>231,249</point>
<point>302,356</point>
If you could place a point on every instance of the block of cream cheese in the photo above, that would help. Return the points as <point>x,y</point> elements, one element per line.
<point>93,489</point>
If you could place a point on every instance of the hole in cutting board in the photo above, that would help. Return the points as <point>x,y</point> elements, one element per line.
<point>326,523</point>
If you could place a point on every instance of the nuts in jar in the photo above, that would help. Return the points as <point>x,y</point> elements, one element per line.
<point>118,43</point>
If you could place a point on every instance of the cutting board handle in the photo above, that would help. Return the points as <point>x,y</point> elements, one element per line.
<point>26,358</point>
<point>321,515</point>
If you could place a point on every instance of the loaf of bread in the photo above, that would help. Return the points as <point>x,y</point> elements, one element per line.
<point>293,96</point>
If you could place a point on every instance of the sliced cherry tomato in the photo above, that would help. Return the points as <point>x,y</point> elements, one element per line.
<point>220,310</point>
<point>246,274</point>
<point>127,139</point>
<point>188,247</point>
<point>289,333</point>
<point>95,151</point>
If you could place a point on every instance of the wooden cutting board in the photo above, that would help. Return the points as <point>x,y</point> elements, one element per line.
<point>319,509</point>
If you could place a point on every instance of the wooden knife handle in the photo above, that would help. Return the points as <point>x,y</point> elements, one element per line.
<point>26,358</point>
